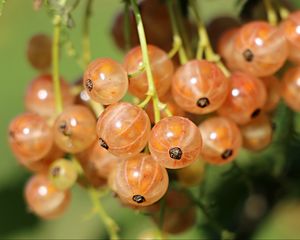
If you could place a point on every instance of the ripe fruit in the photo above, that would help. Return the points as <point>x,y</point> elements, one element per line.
<point>123,129</point>
<point>39,51</point>
<point>175,142</point>
<point>260,49</point>
<point>246,99</point>
<point>191,175</point>
<point>39,96</point>
<point>105,81</point>
<point>221,140</point>
<point>30,137</point>
<point>140,180</point>
<point>272,86</point>
<point>44,199</point>
<point>199,87</point>
<point>161,66</point>
<point>62,174</point>
<point>75,129</point>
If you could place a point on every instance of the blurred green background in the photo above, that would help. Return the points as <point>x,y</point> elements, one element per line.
<point>228,191</point>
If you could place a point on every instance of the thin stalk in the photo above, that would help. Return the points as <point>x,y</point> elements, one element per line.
<point>271,13</point>
<point>86,46</point>
<point>126,26</point>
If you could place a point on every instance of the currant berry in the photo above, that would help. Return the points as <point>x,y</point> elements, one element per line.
<point>44,199</point>
<point>221,138</point>
<point>246,99</point>
<point>39,51</point>
<point>39,96</point>
<point>257,134</point>
<point>140,180</point>
<point>30,137</point>
<point>105,81</point>
<point>62,174</point>
<point>175,142</point>
<point>123,129</point>
<point>272,86</point>
<point>199,87</point>
<point>161,66</point>
<point>290,88</point>
<point>191,175</point>
<point>75,129</point>
<point>260,49</point>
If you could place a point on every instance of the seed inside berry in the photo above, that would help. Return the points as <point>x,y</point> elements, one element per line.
<point>103,143</point>
<point>227,153</point>
<point>203,102</point>
<point>255,113</point>
<point>175,153</point>
<point>89,84</point>
<point>138,198</point>
<point>248,55</point>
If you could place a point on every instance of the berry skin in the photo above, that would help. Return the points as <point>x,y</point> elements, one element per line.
<point>105,81</point>
<point>140,180</point>
<point>62,174</point>
<point>123,129</point>
<point>191,175</point>
<point>199,87</point>
<point>39,51</point>
<point>260,49</point>
<point>272,86</point>
<point>221,140</point>
<point>30,137</point>
<point>39,96</point>
<point>246,98</point>
<point>257,134</point>
<point>175,142</point>
<point>75,129</point>
<point>44,199</point>
<point>161,66</point>
<point>290,88</point>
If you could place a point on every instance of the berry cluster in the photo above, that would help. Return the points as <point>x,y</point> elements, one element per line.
<point>196,112</point>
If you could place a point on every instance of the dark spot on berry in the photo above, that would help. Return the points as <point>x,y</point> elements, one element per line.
<point>274,126</point>
<point>227,153</point>
<point>103,143</point>
<point>256,113</point>
<point>63,128</point>
<point>175,153</point>
<point>89,84</point>
<point>248,55</point>
<point>55,171</point>
<point>203,102</point>
<point>138,198</point>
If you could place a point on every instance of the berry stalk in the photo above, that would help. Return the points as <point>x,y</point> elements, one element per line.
<point>271,13</point>
<point>86,55</point>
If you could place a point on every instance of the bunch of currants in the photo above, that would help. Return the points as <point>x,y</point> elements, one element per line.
<point>194,113</point>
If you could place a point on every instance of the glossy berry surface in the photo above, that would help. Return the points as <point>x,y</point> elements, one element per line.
<point>44,199</point>
<point>39,51</point>
<point>245,100</point>
<point>221,140</point>
<point>123,129</point>
<point>290,88</point>
<point>161,66</point>
<point>105,81</point>
<point>199,87</point>
<point>30,137</point>
<point>140,180</point>
<point>39,96</point>
<point>260,49</point>
<point>175,142</point>
<point>272,86</point>
<point>257,134</point>
<point>75,129</point>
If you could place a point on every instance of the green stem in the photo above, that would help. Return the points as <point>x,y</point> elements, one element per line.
<point>86,48</point>
<point>283,11</point>
<point>271,13</point>
<point>126,27</point>
<point>55,64</point>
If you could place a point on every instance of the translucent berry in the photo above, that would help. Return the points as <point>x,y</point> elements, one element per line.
<point>161,66</point>
<point>44,199</point>
<point>140,180</point>
<point>39,51</point>
<point>175,142</point>
<point>105,81</point>
<point>260,49</point>
<point>75,129</point>
<point>290,88</point>
<point>191,175</point>
<point>221,140</point>
<point>272,86</point>
<point>62,174</point>
<point>199,87</point>
<point>123,129</point>
<point>30,137</point>
<point>39,96</point>
<point>246,98</point>
<point>257,134</point>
